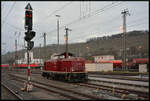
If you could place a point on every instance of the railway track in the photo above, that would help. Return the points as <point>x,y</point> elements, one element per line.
<point>17,96</point>
<point>119,83</point>
<point>72,94</point>
<point>14,88</point>
<point>121,78</point>
<point>118,92</point>
<point>114,73</point>
<point>113,91</point>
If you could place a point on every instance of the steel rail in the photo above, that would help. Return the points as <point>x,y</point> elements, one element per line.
<point>54,91</point>
<point>122,78</point>
<point>63,89</point>
<point>116,89</point>
<point>119,83</point>
<point>14,93</point>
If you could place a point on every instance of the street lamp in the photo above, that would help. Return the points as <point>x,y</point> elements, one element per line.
<point>66,37</point>
<point>58,31</point>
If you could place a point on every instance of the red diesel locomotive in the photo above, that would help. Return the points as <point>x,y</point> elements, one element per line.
<point>65,69</point>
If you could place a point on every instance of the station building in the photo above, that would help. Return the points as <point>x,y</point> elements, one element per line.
<point>32,60</point>
<point>103,58</point>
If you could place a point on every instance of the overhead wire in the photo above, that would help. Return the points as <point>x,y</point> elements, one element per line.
<point>111,6</point>
<point>80,37</point>
<point>86,15</point>
<point>97,12</point>
<point>111,20</point>
<point>20,29</point>
<point>113,27</point>
<point>132,21</point>
<point>23,29</point>
<point>89,8</point>
<point>137,24</point>
<point>79,19</point>
<point>17,28</point>
<point>9,12</point>
<point>118,26</point>
<point>138,19</point>
<point>61,8</point>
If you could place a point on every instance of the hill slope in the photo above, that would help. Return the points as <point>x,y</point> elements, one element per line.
<point>110,45</point>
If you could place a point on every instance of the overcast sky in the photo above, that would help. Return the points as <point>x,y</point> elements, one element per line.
<point>86,19</point>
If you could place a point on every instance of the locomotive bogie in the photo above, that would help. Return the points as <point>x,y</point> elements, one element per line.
<point>66,76</point>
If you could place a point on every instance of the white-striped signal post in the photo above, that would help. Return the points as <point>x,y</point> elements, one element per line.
<point>29,35</point>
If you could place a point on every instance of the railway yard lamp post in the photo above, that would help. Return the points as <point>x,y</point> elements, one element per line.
<point>58,32</point>
<point>66,38</point>
<point>29,34</point>
<point>125,13</point>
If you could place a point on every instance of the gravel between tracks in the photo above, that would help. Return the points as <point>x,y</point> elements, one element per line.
<point>7,95</point>
<point>44,95</point>
<point>68,86</point>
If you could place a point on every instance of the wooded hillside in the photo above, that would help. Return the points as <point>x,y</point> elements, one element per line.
<point>137,44</point>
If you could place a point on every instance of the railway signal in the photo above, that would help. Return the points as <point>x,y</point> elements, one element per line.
<point>28,20</point>
<point>29,35</point>
<point>31,45</point>
<point>28,17</point>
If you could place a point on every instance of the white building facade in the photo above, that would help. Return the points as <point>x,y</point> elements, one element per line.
<point>103,58</point>
<point>32,60</point>
<point>94,67</point>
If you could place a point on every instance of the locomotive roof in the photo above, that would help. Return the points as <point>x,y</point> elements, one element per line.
<point>73,58</point>
<point>61,54</point>
<point>67,59</point>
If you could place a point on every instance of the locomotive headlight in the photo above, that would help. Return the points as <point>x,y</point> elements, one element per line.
<point>72,68</point>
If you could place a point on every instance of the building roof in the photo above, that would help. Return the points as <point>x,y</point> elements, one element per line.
<point>110,61</point>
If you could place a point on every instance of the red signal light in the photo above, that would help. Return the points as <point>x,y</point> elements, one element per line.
<point>30,15</point>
